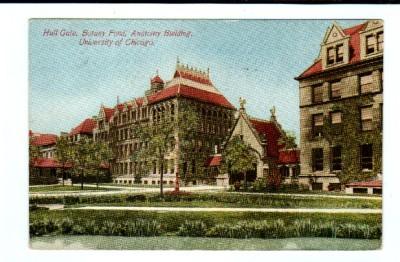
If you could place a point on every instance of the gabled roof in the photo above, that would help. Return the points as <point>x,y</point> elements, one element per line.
<point>354,45</point>
<point>157,79</point>
<point>291,156</point>
<point>192,93</point>
<point>86,127</point>
<point>214,160</point>
<point>44,140</point>
<point>271,132</point>
<point>109,112</point>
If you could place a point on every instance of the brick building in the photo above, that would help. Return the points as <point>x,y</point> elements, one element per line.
<point>161,103</point>
<point>341,101</point>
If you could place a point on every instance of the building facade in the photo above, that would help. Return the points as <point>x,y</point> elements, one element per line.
<point>341,108</point>
<point>267,139</point>
<point>161,103</point>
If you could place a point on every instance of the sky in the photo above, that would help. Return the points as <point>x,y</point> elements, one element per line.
<point>254,59</point>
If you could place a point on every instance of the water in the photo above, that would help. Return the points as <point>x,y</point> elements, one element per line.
<point>192,243</point>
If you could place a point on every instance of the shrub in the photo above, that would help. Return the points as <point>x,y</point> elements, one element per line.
<point>260,184</point>
<point>39,228</point>
<point>66,226</point>
<point>71,200</point>
<point>192,229</point>
<point>134,198</point>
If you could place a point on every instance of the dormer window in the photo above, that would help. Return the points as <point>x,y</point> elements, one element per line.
<point>335,54</point>
<point>374,43</point>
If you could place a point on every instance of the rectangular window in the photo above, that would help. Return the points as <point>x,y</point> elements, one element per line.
<point>339,53</point>
<point>318,123</point>
<point>336,90</point>
<point>380,41</point>
<point>366,157</point>
<point>336,158</point>
<point>366,118</point>
<point>331,56</point>
<point>318,159</point>
<point>336,117</point>
<point>366,83</point>
<point>318,92</point>
<point>371,41</point>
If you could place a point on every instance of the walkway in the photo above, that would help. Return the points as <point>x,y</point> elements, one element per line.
<point>226,209</point>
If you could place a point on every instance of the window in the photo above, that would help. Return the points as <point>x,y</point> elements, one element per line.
<point>380,41</point>
<point>366,157</point>
<point>336,117</point>
<point>366,84</point>
<point>318,123</point>
<point>336,158</point>
<point>366,118</point>
<point>335,54</point>
<point>374,43</point>
<point>331,56</point>
<point>339,53</point>
<point>336,90</point>
<point>318,159</point>
<point>318,92</point>
<point>371,42</point>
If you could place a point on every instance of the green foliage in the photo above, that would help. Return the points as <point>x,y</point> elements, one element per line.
<point>288,140</point>
<point>349,135</point>
<point>192,229</point>
<point>216,224</point>
<point>212,200</point>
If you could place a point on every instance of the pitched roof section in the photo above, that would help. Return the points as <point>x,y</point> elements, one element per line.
<point>374,183</point>
<point>44,140</point>
<point>49,163</point>
<point>270,131</point>
<point>157,79</point>
<point>109,112</point>
<point>214,160</point>
<point>354,44</point>
<point>289,157</point>
<point>192,93</point>
<point>86,127</point>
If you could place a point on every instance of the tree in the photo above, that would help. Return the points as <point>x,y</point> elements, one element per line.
<point>239,157</point>
<point>288,140</point>
<point>63,154</point>
<point>81,154</point>
<point>34,154</point>
<point>101,156</point>
<point>167,133</point>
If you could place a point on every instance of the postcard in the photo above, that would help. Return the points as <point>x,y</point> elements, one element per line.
<point>205,134</point>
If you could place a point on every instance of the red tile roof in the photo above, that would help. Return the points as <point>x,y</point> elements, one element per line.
<point>48,163</point>
<point>271,132</point>
<point>44,140</point>
<point>190,92</point>
<point>374,183</point>
<point>86,127</point>
<point>139,101</point>
<point>354,45</point>
<point>289,157</point>
<point>213,161</point>
<point>109,112</point>
<point>157,79</point>
<point>187,74</point>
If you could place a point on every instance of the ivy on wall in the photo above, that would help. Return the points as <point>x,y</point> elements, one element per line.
<point>350,136</point>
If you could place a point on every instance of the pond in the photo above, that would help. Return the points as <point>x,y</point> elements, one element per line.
<point>193,243</point>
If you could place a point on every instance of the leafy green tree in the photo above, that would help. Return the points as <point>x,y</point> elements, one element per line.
<point>34,154</point>
<point>63,154</point>
<point>288,140</point>
<point>163,135</point>
<point>239,157</point>
<point>81,155</point>
<point>100,158</point>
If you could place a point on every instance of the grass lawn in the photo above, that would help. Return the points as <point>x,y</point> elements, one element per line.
<point>219,200</point>
<point>136,185</point>
<point>61,188</point>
